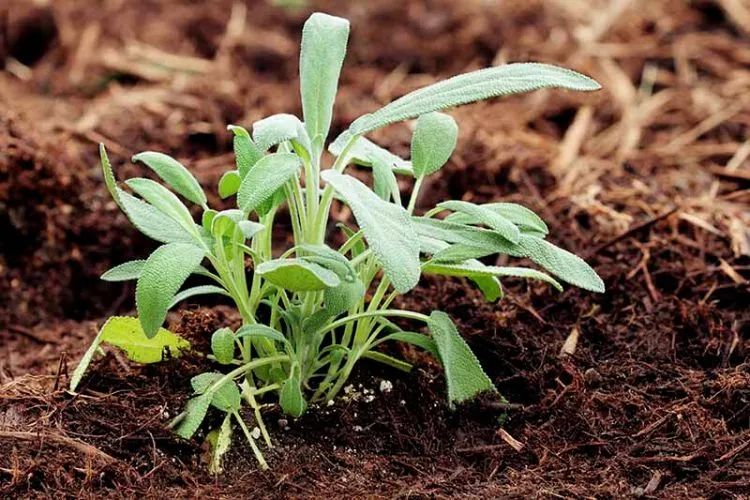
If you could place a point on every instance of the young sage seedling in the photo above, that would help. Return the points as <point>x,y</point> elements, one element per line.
<point>312,312</point>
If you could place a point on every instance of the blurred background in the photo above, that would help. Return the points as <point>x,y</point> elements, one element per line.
<point>648,179</point>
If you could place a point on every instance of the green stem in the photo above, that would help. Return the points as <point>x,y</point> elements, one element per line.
<point>251,440</point>
<point>415,194</point>
<point>399,313</point>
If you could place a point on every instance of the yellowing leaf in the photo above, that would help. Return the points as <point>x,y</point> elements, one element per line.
<point>126,333</point>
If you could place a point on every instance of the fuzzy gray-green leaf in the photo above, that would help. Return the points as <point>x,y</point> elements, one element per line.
<point>297,275</point>
<point>222,345</point>
<point>387,228</point>
<point>519,215</point>
<point>488,217</point>
<point>291,399</point>
<point>265,178</point>
<point>471,271</point>
<point>195,291</point>
<point>163,200</point>
<point>175,174</point>
<point>324,41</point>
<point>343,297</point>
<point>246,152</point>
<point>163,274</point>
<point>433,142</point>
<point>463,373</point>
<point>195,412</point>
<point>471,87</point>
<point>124,272</point>
<point>276,129</point>
<point>364,151</point>
<point>153,222</point>
<point>563,264</point>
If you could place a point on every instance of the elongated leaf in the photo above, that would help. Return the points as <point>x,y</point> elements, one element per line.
<point>388,360</point>
<point>222,345</point>
<point>385,184</point>
<point>163,200</point>
<point>163,274</point>
<point>195,412</point>
<point>229,183</point>
<point>195,291</point>
<point>175,174</point>
<point>387,228</point>
<point>246,152</point>
<point>219,441</point>
<point>463,373</point>
<point>517,214</point>
<point>324,41</point>
<point>363,151</point>
<point>450,232</point>
<point>126,334</point>
<point>291,399</point>
<point>249,228</point>
<point>470,271</point>
<point>415,339</point>
<point>495,221</point>
<point>330,259</point>
<point>261,331</point>
<point>343,297</point>
<point>201,383</point>
<point>152,222</point>
<point>489,285</point>
<point>279,128</point>
<point>297,275</point>
<point>109,176</point>
<point>124,272</point>
<point>563,264</point>
<point>471,87</point>
<point>265,178</point>
<point>433,142</point>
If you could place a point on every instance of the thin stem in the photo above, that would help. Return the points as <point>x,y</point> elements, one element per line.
<point>415,194</point>
<point>399,313</point>
<point>251,440</point>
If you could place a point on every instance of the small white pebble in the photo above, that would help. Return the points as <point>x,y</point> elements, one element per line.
<point>330,402</point>
<point>369,399</point>
<point>255,433</point>
<point>402,402</point>
<point>357,428</point>
<point>386,386</point>
<point>348,389</point>
<point>165,415</point>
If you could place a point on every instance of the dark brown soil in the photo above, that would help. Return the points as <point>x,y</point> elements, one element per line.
<point>648,179</point>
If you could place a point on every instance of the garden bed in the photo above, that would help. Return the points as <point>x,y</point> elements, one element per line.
<point>644,390</point>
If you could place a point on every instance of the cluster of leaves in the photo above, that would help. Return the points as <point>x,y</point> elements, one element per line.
<point>324,308</point>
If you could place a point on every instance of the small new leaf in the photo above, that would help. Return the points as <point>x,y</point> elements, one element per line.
<point>291,399</point>
<point>124,272</point>
<point>433,142</point>
<point>222,345</point>
<point>246,152</point>
<point>175,174</point>
<point>195,412</point>
<point>265,178</point>
<point>229,183</point>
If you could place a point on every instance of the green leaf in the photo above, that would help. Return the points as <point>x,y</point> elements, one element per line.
<point>358,247</point>
<point>297,275</point>
<point>387,228</point>
<point>489,285</point>
<point>163,274</point>
<point>229,184</point>
<point>364,151</point>
<point>124,272</point>
<point>485,216</point>
<point>227,397</point>
<point>249,228</point>
<point>163,200</point>
<point>470,271</point>
<point>276,129</point>
<point>200,383</point>
<point>266,177</point>
<point>219,440</point>
<point>471,87</point>
<point>195,412</point>
<point>173,173</point>
<point>225,221</point>
<point>463,373</point>
<point>385,184</point>
<point>222,345</point>
<point>450,232</point>
<point>388,360</point>
<point>330,259</point>
<point>415,339</point>
<point>208,218</point>
<point>563,264</point>
<point>324,41</point>
<point>343,297</point>
<point>153,222</point>
<point>262,331</point>
<point>109,176</point>
<point>517,214</point>
<point>246,152</point>
<point>433,142</point>
<point>126,334</point>
<point>195,291</point>
<point>291,399</point>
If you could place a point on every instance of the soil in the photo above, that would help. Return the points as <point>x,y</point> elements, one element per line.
<point>643,391</point>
